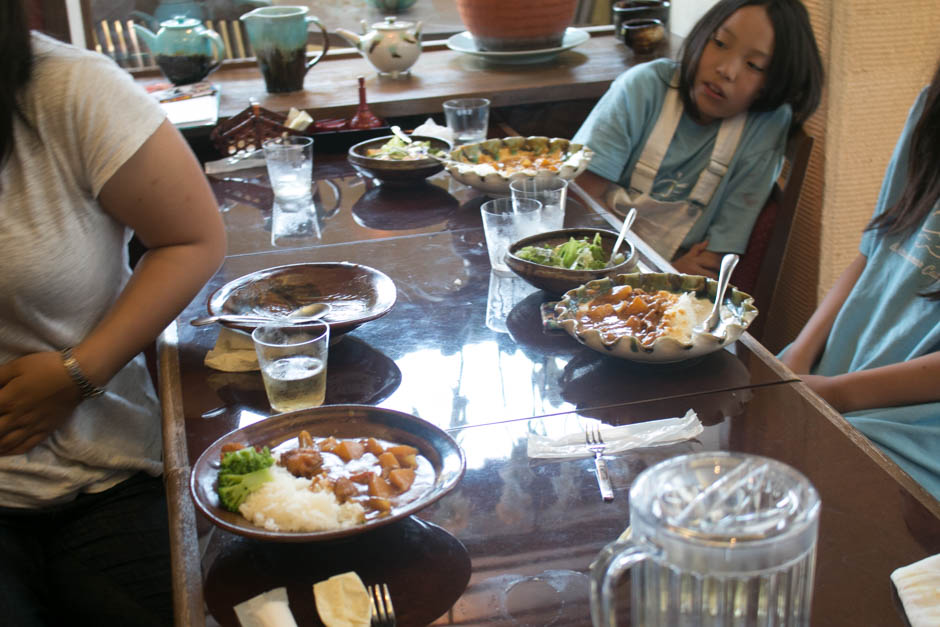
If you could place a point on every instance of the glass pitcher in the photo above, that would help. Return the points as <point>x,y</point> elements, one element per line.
<point>715,539</point>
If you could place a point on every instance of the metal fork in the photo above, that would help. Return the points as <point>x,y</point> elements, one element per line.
<point>383,614</point>
<point>595,444</point>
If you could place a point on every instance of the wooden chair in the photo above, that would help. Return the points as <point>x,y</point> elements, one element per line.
<point>758,273</point>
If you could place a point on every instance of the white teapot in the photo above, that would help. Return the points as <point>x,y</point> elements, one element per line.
<point>392,47</point>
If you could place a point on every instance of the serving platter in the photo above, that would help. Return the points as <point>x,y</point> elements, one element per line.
<point>664,349</point>
<point>355,293</point>
<point>464,42</point>
<point>340,421</point>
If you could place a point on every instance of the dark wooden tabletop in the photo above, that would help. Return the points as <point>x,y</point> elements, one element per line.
<point>465,350</point>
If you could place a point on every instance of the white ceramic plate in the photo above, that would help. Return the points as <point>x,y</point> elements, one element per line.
<point>463,42</point>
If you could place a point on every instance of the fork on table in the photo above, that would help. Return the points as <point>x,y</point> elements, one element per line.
<point>595,444</point>
<point>383,614</point>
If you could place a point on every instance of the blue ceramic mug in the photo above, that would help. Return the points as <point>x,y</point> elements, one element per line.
<point>279,38</point>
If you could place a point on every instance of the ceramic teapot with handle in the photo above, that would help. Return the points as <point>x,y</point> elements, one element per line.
<point>184,49</point>
<point>392,46</point>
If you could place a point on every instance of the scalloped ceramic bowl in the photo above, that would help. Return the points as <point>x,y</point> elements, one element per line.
<point>740,309</point>
<point>481,165</point>
<point>560,280</point>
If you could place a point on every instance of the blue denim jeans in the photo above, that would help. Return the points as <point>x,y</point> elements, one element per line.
<point>102,559</point>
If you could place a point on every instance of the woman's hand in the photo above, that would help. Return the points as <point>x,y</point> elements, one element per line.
<point>699,261</point>
<point>36,396</point>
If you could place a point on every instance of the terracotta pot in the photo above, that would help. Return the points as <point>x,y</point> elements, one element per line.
<point>517,24</point>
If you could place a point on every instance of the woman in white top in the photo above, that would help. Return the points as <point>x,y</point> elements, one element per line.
<point>86,159</point>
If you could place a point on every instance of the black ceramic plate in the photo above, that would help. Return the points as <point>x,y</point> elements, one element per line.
<point>341,421</point>
<point>355,293</point>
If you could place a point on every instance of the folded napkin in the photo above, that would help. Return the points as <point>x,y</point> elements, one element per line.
<point>343,601</point>
<point>432,129</point>
<point>268,609</point>
<point>918,585</point>
<point>618,439</point>
<point>233,352</point>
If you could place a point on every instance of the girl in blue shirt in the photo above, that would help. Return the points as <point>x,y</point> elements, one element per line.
<point>753,63</point>
<point>872,348</point>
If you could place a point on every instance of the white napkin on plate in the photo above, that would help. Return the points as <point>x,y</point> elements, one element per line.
<point>618,439</point>
<point>918,585</point>
<point>432,129</point>
<point>343,601</point>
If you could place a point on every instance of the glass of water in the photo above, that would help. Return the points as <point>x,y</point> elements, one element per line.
<point>293,363</point>
<point>506,221</point>
<point>290,166</point>
<point>551,191</point>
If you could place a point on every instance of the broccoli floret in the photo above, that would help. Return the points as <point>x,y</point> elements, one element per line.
<point>245,460</point>
<point>234,489</point>
<point>241,473</point>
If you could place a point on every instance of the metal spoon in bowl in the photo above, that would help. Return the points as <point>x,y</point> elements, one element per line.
<point>301,315</point>
<point>627,223</point>
<point>708,326</point>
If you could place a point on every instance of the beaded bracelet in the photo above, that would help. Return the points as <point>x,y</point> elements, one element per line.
<point>87,388</point>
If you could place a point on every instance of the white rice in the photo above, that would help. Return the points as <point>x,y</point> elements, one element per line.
<point>288,504</point>
<point>683,314</point>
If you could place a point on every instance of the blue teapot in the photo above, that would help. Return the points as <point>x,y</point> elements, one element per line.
<point>184,49</point>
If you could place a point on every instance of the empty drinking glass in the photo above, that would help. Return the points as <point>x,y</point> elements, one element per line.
<point>505,221</point>
<point>468,118</point>
<point>551,191</point>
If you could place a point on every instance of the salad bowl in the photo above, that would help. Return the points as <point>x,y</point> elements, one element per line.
<point>390,166</point>
<point>488,166</point>
<point>738,311</point>
<point>557,279</point>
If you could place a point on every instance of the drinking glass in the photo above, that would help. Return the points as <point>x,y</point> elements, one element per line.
<point>551,191</point>
<point>293,363</point>
<point>468,118</point>
<point>505,221</point>
<point>290,167</point>
<point>715,539</point>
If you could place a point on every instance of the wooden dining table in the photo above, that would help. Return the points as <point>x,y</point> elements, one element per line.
<point>465,349</point>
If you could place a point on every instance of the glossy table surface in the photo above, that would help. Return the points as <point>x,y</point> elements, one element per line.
<point>464,349</point>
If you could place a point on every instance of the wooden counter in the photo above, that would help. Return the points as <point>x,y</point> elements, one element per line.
<point>331,91</point>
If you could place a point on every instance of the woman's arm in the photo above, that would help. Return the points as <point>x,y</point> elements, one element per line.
<point>906,383</point>
<point>161,193</point>
<point>809,344</point>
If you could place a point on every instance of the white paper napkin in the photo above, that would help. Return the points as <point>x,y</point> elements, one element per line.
<point>233,352</point>
<point>618,439</point>
<point>918,585</point>
<point>269,609</point>
<point>430,128</point>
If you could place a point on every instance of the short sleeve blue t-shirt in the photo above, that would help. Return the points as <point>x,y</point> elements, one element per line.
<point>619,125</point>
<point>884,321</point>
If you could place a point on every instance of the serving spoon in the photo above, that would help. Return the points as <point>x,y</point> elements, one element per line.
<point>708,326</point>
<point>624,228</point>
<point>301,315</point>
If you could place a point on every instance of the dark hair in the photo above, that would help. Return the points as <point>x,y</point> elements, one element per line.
<point>922,188</point>
<point>795,72</point>
<point>15,70</point>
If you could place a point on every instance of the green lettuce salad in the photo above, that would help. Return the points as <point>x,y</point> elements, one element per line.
<point>396,149</point>
<point>575,254</point>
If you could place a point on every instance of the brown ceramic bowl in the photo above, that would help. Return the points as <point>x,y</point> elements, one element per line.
<point>560,280</point>
<point>341,421</point>
<point>355,293</point>
<point>396,172</point>
<point>639,9</point>
<point>643,35</point>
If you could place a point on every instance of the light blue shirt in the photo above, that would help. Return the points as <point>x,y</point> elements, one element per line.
<point>884,321</point>
<point>619,125</point>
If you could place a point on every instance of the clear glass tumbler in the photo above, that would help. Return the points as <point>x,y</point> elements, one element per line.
<point>293,363</point>
<point>551,191</point>
<point>290,167</point>
<point>468,118</point>
<point>505,221</point>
